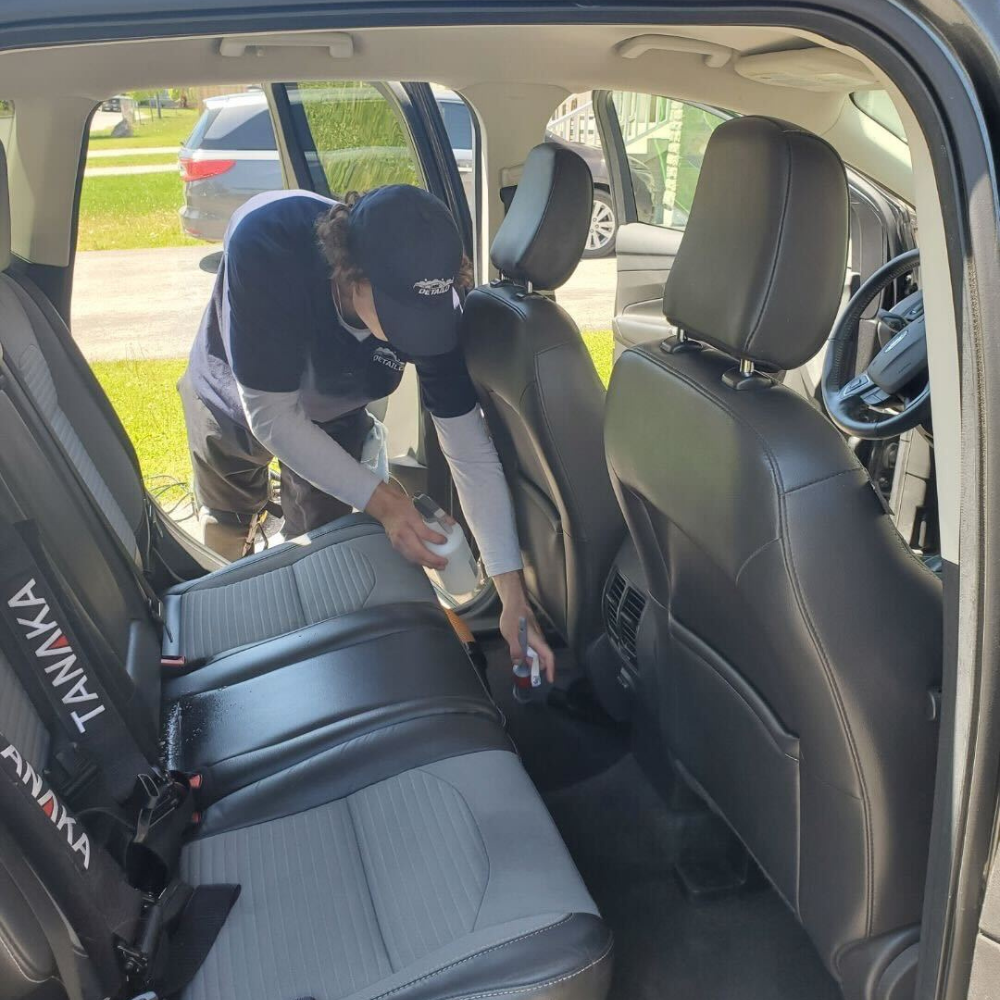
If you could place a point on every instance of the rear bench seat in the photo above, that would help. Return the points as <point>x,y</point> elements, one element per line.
<point>357,781</point>
<point>414,862</point>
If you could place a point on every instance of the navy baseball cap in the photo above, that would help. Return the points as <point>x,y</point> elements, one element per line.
<point>406,242</point>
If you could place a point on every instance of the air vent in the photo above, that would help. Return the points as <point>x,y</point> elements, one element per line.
<point>612,602</point>
<point>623,607</point>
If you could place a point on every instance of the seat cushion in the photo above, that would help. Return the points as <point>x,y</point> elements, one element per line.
<point>343,567</point>
<point>255,711</point>
<point>443,876</point>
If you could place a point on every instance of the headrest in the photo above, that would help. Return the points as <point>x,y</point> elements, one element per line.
<point>4,213</point>
<point>545,230</point>
<point>760,270</point>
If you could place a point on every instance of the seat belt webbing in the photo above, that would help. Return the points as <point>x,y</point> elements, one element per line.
<point>46,436</point>
<point>51,661</point>
<point>85,883</point>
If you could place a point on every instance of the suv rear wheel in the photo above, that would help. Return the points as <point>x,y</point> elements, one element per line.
<point>603,227</point>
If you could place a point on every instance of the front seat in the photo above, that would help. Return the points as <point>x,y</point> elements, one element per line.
<point>795,638</point>
<point>542,397</point>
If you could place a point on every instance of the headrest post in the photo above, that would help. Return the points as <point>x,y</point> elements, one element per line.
<point>746,367</point>
<point>530,287</point>
<point>681,336</point>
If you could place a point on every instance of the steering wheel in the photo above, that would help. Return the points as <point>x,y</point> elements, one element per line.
<point>892,394</point>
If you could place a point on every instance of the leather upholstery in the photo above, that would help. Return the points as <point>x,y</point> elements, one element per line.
<point>544,232</point>
<point>761,265</point>
<point>796,636</point>
<point>544,402</point>
<point>365,671</point>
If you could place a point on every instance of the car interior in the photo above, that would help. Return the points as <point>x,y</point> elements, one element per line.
<point>736,549</point>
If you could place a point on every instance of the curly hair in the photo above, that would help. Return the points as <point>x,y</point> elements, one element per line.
<point>331,232</point>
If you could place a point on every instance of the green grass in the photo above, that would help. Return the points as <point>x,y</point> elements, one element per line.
<point>131,212</point>
<point>601,345</point>
<point>132,160</point>
<point>144,393</point>
<point>170,130</point>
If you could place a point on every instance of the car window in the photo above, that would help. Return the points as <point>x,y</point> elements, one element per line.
<point>457,123</point>
<point>665,141</point>
<point>6,122</point>
<point>238,126</point>
<point>352,136</point>
<point>877,105</point>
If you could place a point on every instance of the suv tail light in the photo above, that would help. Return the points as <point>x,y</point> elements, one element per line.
<point>201,170</point>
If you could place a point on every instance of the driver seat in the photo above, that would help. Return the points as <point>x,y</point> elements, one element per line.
<point>793,638</point>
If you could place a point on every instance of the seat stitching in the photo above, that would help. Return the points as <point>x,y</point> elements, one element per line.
<point>718,401</point>
<point>21,965</point>
<point>552,982</point>
<point>474,956</point>
<point>841,711</point>
<point>755,329</point>
<point>479,832</point>
<point>753,555</point>
<point>822,479</point>
<point>364,871</point>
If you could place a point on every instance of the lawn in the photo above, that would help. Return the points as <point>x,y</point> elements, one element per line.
<point>144,392</point>
<point>131,211</point>
<point>170,130</point>
<point>138,159</point>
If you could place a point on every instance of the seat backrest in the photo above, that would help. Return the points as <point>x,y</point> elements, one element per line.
<point>52,417</point>
<point>797,636</point>
<point>542,397</point>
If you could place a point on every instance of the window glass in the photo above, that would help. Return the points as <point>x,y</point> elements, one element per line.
<point>352,136</point>
<point>240,126</point>
<point>665,141</point>
<point>877,104</point>
<point>6,122</point>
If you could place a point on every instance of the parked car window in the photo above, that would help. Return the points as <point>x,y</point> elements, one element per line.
<point>352,136</point>
<point>665,141</point>
<point>238,126</point>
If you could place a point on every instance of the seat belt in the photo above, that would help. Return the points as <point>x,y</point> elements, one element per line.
<point>137,942</point>
<point>107,769</point>
<point>51,660</point>
<point>45,436</point>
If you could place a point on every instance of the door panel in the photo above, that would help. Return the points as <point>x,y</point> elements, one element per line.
<point>645,256</point>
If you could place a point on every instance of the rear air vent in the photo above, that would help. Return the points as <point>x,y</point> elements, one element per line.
<point>623,607</point>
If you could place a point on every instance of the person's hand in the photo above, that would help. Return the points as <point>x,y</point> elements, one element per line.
<point>515,607</point>
<point>405,527</point>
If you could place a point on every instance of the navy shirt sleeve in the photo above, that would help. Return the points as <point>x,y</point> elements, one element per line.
<point>445,386</point>
<point>267,348</point>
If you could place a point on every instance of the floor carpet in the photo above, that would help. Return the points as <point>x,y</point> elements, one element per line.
<point>625,840</point>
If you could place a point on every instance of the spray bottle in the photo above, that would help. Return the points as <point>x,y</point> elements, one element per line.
<point>527,670</point>
<point>460,578</point>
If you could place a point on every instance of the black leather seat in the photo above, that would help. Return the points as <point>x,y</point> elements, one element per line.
<point>542,397</point>
<point>795,635</point>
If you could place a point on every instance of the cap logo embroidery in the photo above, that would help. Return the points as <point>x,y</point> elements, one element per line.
<point>433,286</point>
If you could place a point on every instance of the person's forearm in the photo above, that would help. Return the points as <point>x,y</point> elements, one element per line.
<point>482,490</point>
<point>277,420</point>
<point>510,588</point>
